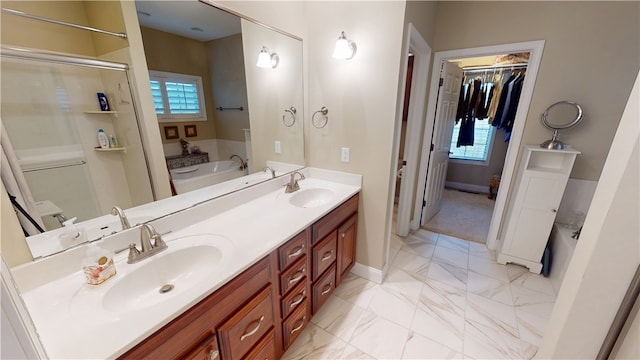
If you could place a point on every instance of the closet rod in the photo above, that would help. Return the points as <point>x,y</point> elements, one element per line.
<point>34,17</point>
<point>494,67</point>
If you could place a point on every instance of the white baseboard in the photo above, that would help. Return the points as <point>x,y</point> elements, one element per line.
<point>467,187</point>
<point>369,273</point>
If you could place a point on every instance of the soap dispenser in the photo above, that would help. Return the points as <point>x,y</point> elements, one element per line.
<point>98,265</point>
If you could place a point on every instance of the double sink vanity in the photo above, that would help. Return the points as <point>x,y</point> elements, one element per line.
<point>241,277</point>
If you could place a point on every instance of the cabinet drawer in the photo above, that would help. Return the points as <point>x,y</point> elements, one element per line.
<point>327,224</point>
<point>292,276</point>
<point>265,349</point>
<point>293,326</point>
<point>293,250</point>
<point>323,288</point>
<point>247,326</point>
<point>295,298</point>
<point>324,254</point>
<point>207,350</point>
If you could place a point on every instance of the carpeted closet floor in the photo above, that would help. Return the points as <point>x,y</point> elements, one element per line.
<point>463,215</point>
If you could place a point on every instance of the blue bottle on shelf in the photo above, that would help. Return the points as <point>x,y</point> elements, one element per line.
<point>104,104</point>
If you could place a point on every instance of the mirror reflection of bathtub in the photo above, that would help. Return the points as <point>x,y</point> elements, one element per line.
<point>194,177</point>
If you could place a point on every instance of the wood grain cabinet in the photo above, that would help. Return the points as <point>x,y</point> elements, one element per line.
<point>261,312</point>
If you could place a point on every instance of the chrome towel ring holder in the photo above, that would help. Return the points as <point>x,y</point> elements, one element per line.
<point>288,121</point>
<point>323,111</point>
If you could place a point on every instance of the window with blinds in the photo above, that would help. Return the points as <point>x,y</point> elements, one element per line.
<point>480,151</point>
<point>177,97</point>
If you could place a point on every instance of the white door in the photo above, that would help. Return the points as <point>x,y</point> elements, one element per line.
<point>446,107</point>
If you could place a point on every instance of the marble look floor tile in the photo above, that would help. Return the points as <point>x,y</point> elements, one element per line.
<point>315,343</point>
<point>491,313</point>
<point>396,241</point>
<point>489,268</point>
<point>455,257</point>
<point>351,352</point>
<point>453,243</point>
<point>338,317</point>
<point>528,350</point>
<point>420,347</point>
<point>402,281</point>
<point>531,281</point>
<point>489,288</point>
<point>531,327</point>
<point>448,274</point>
<point>515,270</point>
<point>486,342</point>
<point>425,236</point>
<point>378,337</point>
<point>412,264</point>
<point>481,251</point>
<point>394,306</point>
<point>418,247</point>
<point>440,314</point>
<point>531,301</point>
<point>356,290</point>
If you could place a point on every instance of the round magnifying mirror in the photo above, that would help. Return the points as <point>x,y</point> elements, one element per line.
<point>559,116</point>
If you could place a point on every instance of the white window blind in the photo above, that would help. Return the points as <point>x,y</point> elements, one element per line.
<point>177,97</point>
<point>482,143</point>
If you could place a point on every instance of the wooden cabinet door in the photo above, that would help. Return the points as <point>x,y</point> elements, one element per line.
<point>347,235</point>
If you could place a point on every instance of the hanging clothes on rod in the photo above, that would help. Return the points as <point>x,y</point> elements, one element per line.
<point>491,95</point>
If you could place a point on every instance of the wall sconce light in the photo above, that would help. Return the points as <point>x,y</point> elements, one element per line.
<point>267,59</point>
<point>345,48</point>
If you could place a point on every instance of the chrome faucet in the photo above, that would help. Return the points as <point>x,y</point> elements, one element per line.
<point>147,233</point>
<point>117,211</point>
<point>293,183</point>
<point>243,165</point>
<point>273,172</point>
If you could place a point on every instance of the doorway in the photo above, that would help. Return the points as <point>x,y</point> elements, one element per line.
<point>475,145</point>
<point>535,49</point>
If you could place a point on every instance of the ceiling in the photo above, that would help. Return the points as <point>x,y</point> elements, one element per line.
<point>180,16</point>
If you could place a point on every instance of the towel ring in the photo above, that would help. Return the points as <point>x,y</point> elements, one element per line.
<point>324,111</point>
<point>292,111</point>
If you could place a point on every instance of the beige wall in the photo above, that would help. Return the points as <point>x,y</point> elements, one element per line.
<point>178,54</point>
<point>480,174</point>
<point>106,15</point>
<point>228,86</point>
<point>361,97</point>
<point>13,247</point>
<point>590,56</point>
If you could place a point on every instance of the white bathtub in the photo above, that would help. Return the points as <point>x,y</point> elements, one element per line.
<point>562,246</point>
<point>198,176</point>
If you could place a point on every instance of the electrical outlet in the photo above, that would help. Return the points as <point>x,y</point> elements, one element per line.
<point>278,147</point>
<point>344,154</point>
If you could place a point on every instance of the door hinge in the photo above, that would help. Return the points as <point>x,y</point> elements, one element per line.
<point>431,149</point>
<point>441,82</point>
<point>404,162</point>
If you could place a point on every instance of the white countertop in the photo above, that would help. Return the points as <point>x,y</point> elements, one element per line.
<point>69,314</point>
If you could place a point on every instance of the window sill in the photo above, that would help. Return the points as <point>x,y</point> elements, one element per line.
<point>469,162</point>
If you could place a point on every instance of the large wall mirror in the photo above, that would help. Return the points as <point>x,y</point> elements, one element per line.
<point>251,117</point>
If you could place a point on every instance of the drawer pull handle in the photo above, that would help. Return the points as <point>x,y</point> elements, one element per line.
<point>297,251</point>
<point>326,288</point>
<point>327,255</point>
<point>253,331</point>
<point>297,276</point>
<point>213,354</point>
<point>299,297</point>
<point>343,234</point>
<point>297,328</point>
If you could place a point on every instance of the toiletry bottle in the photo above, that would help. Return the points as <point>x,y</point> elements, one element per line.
<point>98,265</point>
<point>104,103</point>
<point>71,235</point>
<point>113,143</point>
<point>102,139</point>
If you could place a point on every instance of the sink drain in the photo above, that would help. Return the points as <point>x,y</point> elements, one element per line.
<point>166,288</point>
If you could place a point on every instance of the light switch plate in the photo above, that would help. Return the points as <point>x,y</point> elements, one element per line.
<point>345,154</point>
<point>278,147</point>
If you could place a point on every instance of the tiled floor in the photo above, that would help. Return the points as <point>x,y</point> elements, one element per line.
<point>443,298</point>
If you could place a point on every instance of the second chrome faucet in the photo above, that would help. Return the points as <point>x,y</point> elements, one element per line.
<point>293,183</point>
<point>147,233</point>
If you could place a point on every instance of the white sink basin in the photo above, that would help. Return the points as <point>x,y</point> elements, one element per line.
<point>164,275</point>
<point>308,198</point>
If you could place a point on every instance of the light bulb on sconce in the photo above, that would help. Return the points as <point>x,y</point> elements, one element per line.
<point>266,59</point>
<point>345,48</point>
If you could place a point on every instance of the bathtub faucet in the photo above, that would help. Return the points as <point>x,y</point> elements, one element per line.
<point>243,165</point>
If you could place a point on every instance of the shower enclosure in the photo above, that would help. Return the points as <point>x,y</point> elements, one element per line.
<point>51,112</point>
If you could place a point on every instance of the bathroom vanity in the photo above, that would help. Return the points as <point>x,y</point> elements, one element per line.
<point>250,269</point>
